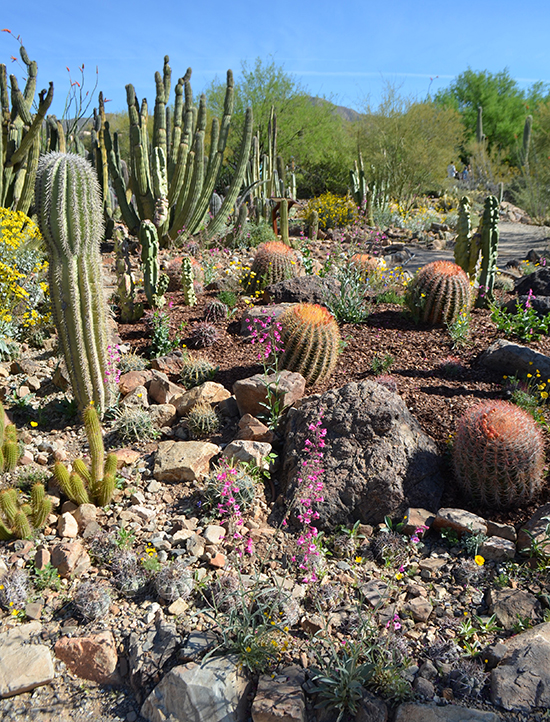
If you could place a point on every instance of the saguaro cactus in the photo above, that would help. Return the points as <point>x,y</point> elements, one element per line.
<point>70,216</point>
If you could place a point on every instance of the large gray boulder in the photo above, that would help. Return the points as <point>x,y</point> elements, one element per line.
<point>214,691</point>
<point>507,357</point>
<point>377,459</point>
<point>303,289</point>
<point>522,679</point>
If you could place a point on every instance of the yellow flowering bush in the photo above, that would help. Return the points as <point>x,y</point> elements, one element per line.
<point>24,292</point>
<point>334,211</point>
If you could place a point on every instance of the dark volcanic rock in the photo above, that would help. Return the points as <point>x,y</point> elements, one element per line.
<point>304,289</point>
<point>377,459</point>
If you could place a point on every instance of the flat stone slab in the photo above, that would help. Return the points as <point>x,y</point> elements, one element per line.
<point>411,712</point>
<point>183,460</point>
<point>23,666</point>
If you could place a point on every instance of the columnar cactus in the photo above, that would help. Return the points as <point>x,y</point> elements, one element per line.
<point>274,261</point>
<point>438,293</point>
<point>70,216</point>
<point>311,341</point>
<point>20,136</point>
<point>187,283</point>
<point>93,484</point>
<point>498,455</point>
<point>526,140</point>
<point>464,236</point>
<point>489,252</point>
<point>155,283</point>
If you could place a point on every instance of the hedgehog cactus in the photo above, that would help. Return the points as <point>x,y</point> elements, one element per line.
<point>311,341</point>
<point>498,455</point>
<point>70,216</point>
<point>274,261</point>
<point>489,252</point>
<point>20,519</point>
<point>438,293</point>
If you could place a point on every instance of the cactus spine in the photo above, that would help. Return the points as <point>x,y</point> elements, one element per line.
<point>438,293</point>
<point>70,217</point>
<point>498,455</point>
<point>20,136</point>
<point>489,252</point>
<point>311,341</point>
<point>97,483</point>
<point>187,278</point>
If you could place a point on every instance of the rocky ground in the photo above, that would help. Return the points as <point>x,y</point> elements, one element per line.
<point>461,632</point>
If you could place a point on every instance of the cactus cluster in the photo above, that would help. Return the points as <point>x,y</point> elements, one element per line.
<point>70,216</point>
<point>202,420</point>
<point>20,136</point>
<point>21,518</point>
<point>172,177</point>
<point>196,371</point>
<point>438,293</point>
<point>498,455</point>
<point>9,448</point>
<point>274,261</point>
<point>311,341</point>
<point>94,484</point>
<point>92,600</point>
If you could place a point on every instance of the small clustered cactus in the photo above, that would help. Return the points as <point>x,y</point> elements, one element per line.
<point>174,581</point>
<point>196,371</point>
<point>438,293</point>
<point>95,484</point>
<point>274,261</point>
<point>215,310</point>
<point>21,518</point>
<point>498,455</point>
<point>129,577</point>
<point>14,589</point>
<point>203,334</point>
<point>202,420</point>
<point>92,600</point>
<point>311,341</point>
<point>9,448</point>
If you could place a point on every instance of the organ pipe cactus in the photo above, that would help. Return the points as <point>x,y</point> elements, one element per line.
<point>20,136</point>
<point>489,252</point>
<point>438,293</point>
<point>94,483</point>
<point>498,455</point>
<point>70,216</point>
<point>311,341</point>
<point>173,178</point>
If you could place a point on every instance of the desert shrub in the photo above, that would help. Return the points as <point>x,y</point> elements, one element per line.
<point>334,211</point>
<point>24,293</point>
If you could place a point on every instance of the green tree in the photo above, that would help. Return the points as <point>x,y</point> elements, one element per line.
<point>407,146</point>
<point>309,131</point>
<point>503,102</point>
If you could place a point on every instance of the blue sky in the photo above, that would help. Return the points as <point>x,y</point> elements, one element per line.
<point>346,51</point>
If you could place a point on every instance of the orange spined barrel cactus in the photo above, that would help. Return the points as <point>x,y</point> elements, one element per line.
<point>498,455</point>
<point>311,341</point>
<point>365,263</point>
<point>438,293</point>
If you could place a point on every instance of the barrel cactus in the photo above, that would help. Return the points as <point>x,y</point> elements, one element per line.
<point>311,341</point>
<point>365,263</point>
<point>70,216</point>
<point>498,455</point>
<point>274,261</point>
<point>438,293</point>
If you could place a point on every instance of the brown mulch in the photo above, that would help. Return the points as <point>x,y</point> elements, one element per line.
<point>435,397</point>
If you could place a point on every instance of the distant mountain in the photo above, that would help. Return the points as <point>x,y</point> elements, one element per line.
<point>345,113</point>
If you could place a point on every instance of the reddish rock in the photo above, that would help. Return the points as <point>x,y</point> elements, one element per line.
<point>252,429</point>
<point>70,559</point>
<point>67,526</point>
<point>42,558</point>
<point>126,457</point>
<point>130,381</point>
<point>251,393</point>
<point>163,391</point>
<point>170,364</point>
<point>94,657</point>
<point>218,561</point>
